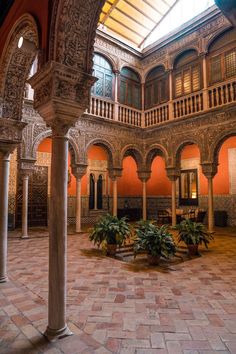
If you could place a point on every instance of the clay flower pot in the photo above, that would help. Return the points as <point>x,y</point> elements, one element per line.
<point>193,250</point>
<point>153,260</point>
<point>111,249</point>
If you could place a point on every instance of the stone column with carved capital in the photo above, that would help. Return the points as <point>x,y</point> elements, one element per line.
<point>171,112</point>
<point>173,174</point>
<point>61,95</point>
<point>210,170</point>
<point>114,174</point>
<point>144,176</point>
<point>205,83</point>
<point>26,167</point>
<point>5,150</point>
<point>10,137</point>
<point>78,171</point>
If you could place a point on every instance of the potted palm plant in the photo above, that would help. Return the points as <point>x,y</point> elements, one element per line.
<point>193,234</point>
<point>110,232</point>
<point>156,241</point>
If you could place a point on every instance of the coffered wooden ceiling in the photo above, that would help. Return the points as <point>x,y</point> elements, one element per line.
<point>133,20</point>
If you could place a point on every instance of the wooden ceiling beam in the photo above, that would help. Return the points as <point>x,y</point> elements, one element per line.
<point>159,22</point>
<point>153,7</point>
<point>129,28</point>
<point>113,6</point>
<point>138,10</point>
<point>132,18</point>
<point>122,35</point>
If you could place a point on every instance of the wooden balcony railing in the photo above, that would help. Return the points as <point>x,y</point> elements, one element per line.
<point>101,107</point>
<point>188,105</point>
<point>222,94</point>
<point>157,115</point>
<point>129,115</point>
<point>198,102</point>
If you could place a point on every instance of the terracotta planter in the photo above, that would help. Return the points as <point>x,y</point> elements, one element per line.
<point>193,250</point>
<point>111,249</point>
<point>153,260</point>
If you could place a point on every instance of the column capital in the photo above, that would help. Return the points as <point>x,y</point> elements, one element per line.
<point>79,170</point>
<point>61,93</point>
<point>173,173</point>
<point>209,169</point>
<point>26,165</point>
<point>115,172</point>
<point>144,176</point>
<point>10,134</point>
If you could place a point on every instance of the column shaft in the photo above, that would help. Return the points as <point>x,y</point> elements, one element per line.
<point>144,200</point>
<point>95,194</point>
<point>78,205</point>
<point>173,200</point>
<point>25,206</point>
<point>210,205</point>
<point>57,326</point>
<point>4,180</point>
<point>115,197</point>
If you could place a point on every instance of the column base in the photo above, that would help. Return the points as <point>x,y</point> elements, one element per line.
<point>3,279</point>
<point>25,237</point>
<point>54,334</point>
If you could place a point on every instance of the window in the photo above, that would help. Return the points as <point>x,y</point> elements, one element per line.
<point>103,72</point>
<point>222,57</point>
<point>187,74</point>
<point>156,87</point>
<point>188,187</point>
<point>130,88</point>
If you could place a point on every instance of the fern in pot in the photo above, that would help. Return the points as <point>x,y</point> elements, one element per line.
<point>110,232</point>
<point>193,234</point>
<point>156,241</point>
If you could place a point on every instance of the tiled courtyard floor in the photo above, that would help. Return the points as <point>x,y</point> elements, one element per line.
<point>116,307</point>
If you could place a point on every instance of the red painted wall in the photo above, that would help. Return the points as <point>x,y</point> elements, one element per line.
<point>38,9</point>
<point>129,184</point>
<point>159,183</point>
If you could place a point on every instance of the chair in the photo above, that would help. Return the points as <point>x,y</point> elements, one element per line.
<point>163,217</point>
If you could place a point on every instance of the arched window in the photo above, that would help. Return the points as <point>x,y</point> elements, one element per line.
<point>156,87</point>
<point>187,73</point>
<point>222,57</point>
<point>130,88</point>
<point>103,72</point>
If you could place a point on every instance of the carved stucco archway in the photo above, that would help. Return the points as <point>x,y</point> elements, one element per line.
<point>216,146</point>
<point>135,153</point>
<point>47,134</point>
<point>72,32</point>
<point>178,148</point>
<point>15,66</point>
<point>154,151</point>
<point>106,145</point>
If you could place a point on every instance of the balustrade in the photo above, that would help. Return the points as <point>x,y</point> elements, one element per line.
<point>129,115</point>
<point>222,94</point>
<point>188,105</point>
<point>101,108</point>
<point>157,115</point>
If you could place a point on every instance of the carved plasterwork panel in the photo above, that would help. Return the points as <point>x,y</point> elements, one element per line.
<point>15,66</point>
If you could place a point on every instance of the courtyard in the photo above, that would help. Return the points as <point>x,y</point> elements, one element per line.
<point>118,307</point>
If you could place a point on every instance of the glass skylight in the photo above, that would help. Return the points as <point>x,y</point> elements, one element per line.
<point>183,11</point>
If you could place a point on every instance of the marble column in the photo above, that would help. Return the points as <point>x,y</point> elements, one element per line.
<point>61,96</point>
<point>57,326</point>
<point>144,177</point>
<point>209,169</point>
<point>4,180</point>
<point>171,112</point>
<point>205,83</point>
<point>116,93</point>
<point>114,180</point>
<point>114,173</point>
<point>78,171</point>
<point>173,174</point>
<point>25,192</point>
<point>95,193</point>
